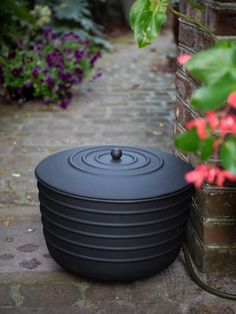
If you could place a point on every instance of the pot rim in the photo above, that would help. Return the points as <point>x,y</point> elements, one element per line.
<point>101,200</point>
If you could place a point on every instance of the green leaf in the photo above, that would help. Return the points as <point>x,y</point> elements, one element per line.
<point>214,96</point>
<point>196,5</point>
<point>135,10</point>
<point>206,148</point>
<point>228,154</point>
<point>188,141</point>
<point>159,6</point>
<point>147,19</point>
<point>211,65</point>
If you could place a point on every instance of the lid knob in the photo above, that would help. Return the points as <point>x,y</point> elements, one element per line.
<point>116,153</point>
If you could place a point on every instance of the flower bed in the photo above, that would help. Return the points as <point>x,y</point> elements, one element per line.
<point>47,67</point>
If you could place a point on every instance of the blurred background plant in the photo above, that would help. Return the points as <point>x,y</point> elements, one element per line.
<point>76,35</point>
<point>47,67</point>
<point>15,18</point>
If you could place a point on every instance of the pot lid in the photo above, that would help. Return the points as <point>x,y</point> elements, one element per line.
<point>113,173</point>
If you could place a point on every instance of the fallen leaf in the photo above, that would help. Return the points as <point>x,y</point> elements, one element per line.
<point>17,175</point>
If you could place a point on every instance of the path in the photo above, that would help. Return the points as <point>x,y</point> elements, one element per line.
<point>131,104</point>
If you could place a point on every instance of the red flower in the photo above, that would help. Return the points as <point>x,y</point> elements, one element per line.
<point>222,175</point>
<point>212,174</point>
<point>200,125</point>
<point>213,120</point>
<point>209,174</point>
<point>197,176</point>
<point>228,125</point>
<point>232,99</point>
<point>184,58</point>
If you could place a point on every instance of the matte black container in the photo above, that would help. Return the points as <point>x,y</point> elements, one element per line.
<point>113,214</point>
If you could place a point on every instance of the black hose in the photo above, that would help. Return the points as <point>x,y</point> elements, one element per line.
<point>200,283</point>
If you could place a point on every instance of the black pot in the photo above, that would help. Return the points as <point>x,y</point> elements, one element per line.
<point>113,214</point>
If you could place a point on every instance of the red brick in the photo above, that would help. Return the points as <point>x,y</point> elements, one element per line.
<point>193,37</point>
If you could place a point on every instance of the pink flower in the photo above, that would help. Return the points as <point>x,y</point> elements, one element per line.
<point>222,175</point>
<point>197,176</point>
<point>200,125</point>
<point>232,99</point>
<point>228,125</point>
<point>220,179</point>
<point>213,120</point>
<point>209,174</point>
<point>212,174</point>
<point>184,58</point>
<point>228,175</point>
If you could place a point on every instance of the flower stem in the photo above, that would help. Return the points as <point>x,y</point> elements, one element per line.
<point>199,24</point>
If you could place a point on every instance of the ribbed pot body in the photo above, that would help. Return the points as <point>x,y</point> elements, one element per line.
<point>113,241</point>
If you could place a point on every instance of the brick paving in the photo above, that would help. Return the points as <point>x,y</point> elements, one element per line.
<point>132,104</point>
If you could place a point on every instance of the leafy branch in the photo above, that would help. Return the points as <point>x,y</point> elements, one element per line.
<point>148,16</point>
<point>215,133</point>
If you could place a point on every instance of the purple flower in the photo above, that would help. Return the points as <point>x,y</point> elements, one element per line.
<point>55,59</point>
<point>35,71</point>
<point>37,47</point>
<point>18,90</point>
<point>20,43</point>
<point>47,100</point>
<point>79,54</point>
<point>16,71</point>
<point>67,51</point>
<point>31,47</point>
<point>71,36</point>
<point>46,69</point>
<point>64,103</point>
<point>49,34</point>
<point>50,81</point>
<point>61,86</point>
<point>11,54</point>
<point>94,58</point>
<point>67,76</point>
<point>47,30</point>
<point>29,84</point>
<point>79,73</point>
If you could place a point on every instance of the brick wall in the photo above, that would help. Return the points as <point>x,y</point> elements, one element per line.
<point>212,223</point>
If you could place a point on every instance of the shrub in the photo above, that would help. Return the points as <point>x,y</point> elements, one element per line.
<point>47,67</point>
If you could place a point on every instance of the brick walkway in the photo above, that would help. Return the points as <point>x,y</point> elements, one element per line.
<point>131,104</point>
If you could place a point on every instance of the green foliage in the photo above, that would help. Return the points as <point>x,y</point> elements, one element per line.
<point>206,148</point>
<point>211,65</point>
<point>147,18</point>
<point>228,154</point>
<point>213,96</point>
<point>77,16</point>
<point>14,17</point>
<point>75,12</point>
<point>189,141</point>
<point>216,67</point>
